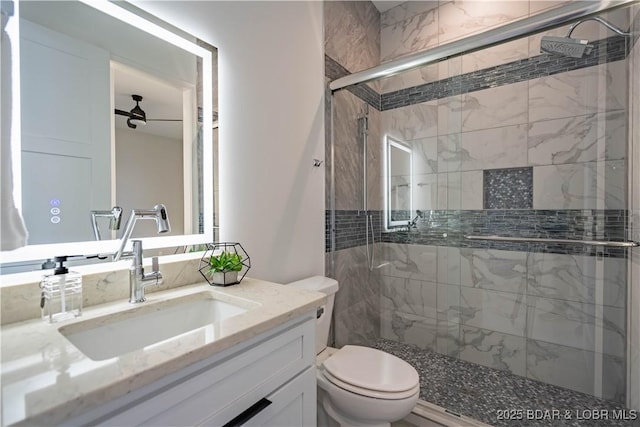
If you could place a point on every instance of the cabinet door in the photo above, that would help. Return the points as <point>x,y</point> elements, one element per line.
<point>216,391</point>
<point>292,405</point>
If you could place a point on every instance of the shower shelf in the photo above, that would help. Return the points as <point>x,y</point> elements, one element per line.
<point>628,244</point>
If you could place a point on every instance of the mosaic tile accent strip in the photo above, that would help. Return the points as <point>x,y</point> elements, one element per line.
<point>448,228</point>
<point>401,216</point>
<point>334,70</point>
<point>508,188</point>
<point>479,392</point>
<point>351,229</point>
<point>607,50</point>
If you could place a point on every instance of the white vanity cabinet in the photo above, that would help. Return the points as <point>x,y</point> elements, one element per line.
<point>268,380</point>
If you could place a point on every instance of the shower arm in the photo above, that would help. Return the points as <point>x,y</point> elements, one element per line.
<point>603,22</point>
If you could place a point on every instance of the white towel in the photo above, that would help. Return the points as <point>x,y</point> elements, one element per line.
<point>13,232</point>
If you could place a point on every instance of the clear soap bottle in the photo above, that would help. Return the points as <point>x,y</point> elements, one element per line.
<point>61,293</point>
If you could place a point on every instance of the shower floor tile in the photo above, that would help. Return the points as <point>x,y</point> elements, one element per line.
<point>501,398</point>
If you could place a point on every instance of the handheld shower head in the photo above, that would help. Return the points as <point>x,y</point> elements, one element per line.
<point>575,48</point>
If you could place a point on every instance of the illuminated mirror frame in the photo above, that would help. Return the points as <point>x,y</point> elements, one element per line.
<point>391,144</point>
<point>37,252</point>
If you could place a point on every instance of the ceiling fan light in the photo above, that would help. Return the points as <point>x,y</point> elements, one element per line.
<point>137,121</point>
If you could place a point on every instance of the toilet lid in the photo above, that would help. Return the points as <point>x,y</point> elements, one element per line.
<point>371,369</point>
<point>371,393</point>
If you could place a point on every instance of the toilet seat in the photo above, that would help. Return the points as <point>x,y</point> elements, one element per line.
<point>372,373</point>
<point>371,393</point>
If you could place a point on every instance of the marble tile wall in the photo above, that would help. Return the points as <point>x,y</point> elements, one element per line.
<point>357,303</point>
<point>534,118</point>
<point>352,43</point>
<point>348,152</point>
<point>570,128</point>
<point>528,313</point>
<point>352,34</point>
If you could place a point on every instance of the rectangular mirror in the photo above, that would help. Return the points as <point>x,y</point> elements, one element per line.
<point>398,198</point>
<point>87,72</point>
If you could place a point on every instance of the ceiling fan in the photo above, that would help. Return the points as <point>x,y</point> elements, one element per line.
<point>137,116</point>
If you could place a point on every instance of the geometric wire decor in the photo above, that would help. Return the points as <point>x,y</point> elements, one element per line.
<point>224,264</point>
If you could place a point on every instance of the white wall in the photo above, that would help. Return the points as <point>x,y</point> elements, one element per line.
<point>271,63</point>
<point>141,159</point>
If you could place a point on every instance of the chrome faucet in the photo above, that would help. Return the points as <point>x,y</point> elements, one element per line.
<point>114,215</point>
<point>138,279</point>
<point>158,213</point>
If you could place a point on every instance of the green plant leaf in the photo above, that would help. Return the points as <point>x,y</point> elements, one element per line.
<point>224,262</point>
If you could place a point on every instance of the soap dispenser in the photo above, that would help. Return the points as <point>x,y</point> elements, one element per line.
<point>61,293</point>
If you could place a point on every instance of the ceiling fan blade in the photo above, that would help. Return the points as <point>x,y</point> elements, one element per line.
<point>129,115</point>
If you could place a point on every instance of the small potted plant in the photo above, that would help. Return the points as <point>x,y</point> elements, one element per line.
<point>224,268</point>
<point>224,263</point>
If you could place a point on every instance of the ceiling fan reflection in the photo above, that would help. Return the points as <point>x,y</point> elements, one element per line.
<point>137,115</point>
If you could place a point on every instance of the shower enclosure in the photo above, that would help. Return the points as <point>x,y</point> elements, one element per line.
<point>501,193</point>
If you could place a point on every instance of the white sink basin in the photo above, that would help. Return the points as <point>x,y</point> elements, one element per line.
<point>191,317</point>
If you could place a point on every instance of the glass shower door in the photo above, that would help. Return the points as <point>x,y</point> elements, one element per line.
<point>510,143</point>
<point>539,152</point>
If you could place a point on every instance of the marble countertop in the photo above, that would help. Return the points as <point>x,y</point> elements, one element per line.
<point>45,379</point>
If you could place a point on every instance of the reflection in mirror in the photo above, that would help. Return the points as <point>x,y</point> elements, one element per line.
<point>82,150</point>
<point>398,183</point>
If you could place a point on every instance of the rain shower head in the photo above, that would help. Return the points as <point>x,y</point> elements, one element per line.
<point>574,48</point>
<point>565,46</point>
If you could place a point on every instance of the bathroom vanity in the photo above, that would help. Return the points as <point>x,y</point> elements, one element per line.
<point>195,355</point>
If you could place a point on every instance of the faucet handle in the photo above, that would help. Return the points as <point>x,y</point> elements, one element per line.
<point>155,265</point>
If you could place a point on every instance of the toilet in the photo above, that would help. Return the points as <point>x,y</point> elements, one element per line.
<point>357,386</point>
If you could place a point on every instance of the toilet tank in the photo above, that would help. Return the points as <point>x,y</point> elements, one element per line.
<point>328,287</point>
